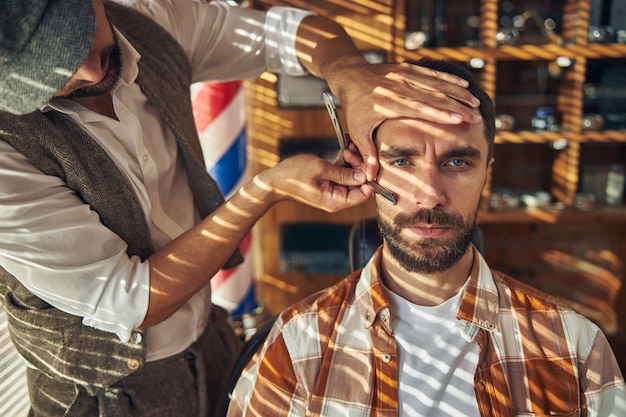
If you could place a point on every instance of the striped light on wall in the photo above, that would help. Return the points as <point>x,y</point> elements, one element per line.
<point>219,113</point>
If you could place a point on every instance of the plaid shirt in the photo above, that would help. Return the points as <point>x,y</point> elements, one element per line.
<point>334,354</point>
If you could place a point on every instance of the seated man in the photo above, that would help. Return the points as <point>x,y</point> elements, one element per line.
<point>426,328</point>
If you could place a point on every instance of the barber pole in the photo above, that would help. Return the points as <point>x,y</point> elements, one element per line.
<point>219,112</point>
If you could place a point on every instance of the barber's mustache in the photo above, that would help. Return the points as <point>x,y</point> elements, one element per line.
<point>429,216</point>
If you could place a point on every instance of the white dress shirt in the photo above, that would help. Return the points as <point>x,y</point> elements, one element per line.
<point>57,247</point>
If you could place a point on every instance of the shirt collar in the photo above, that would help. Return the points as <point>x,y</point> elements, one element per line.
<point>129,73</point>
<point>370,295</point>
<point>478,308</point>
<point>479,305</point>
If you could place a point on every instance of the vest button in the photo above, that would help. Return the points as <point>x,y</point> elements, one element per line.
<point>387,357</point>
<point>133,364</point>
<point>137,338</point>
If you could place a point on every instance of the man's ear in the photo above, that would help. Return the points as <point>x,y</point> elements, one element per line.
<point>489,167</point>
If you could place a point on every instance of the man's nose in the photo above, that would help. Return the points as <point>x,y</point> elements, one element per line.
<point>92,68</point>
<point>428,189</point>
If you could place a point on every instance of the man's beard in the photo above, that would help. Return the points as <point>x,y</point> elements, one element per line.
<point>109,81</point>
<point>428,255</point>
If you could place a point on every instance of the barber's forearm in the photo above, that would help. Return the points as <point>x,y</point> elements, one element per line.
<point>323,46</point>
<point>188,263</point>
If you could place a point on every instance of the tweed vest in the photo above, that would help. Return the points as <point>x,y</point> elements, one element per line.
<point>55,342</point>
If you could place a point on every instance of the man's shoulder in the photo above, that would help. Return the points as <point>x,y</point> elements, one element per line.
<point>327,303</point>
<point>525,293</point>
<point>521,296</point>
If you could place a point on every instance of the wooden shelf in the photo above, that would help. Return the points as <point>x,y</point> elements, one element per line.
<point>527,136</point>
<point>596,216</point>
<point>542,52</point>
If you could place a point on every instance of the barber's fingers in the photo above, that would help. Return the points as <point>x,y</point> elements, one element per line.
<point>406,90</point>
<point>384,91</point>
<point>318,183</point>
<point>369,156</point>
<point>428,79</point>
<point>343,175</point>
<point>353,158</point>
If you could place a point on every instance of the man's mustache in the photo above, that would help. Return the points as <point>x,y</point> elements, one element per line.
<point>429,216</point>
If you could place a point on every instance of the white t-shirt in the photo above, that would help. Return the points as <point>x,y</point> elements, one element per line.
<point>54,243</point>
<point>436,364</point>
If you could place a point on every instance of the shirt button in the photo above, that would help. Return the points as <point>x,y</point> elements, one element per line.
<point>133,364</point>
<point>387,357</point>
<point>144,158</point>
<point>137,338</point>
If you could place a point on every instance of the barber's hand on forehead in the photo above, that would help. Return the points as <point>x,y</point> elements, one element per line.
<point>371,93</point>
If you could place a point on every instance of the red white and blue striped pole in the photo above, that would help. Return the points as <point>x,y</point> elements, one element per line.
<point>219,112</point>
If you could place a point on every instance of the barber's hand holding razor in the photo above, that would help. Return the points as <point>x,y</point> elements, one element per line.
<point>314,181</point>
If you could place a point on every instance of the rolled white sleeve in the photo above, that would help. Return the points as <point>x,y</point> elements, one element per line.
<point>227,42</point>
<point>58,248</point>
<point>281,26</point>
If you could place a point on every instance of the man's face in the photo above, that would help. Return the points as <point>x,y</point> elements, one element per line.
<point>101,69</point>
<point>438,173</point>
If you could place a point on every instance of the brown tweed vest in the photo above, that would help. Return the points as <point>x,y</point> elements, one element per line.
<point>57,343</point>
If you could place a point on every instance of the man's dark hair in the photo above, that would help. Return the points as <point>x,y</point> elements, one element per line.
<point>487,108</point>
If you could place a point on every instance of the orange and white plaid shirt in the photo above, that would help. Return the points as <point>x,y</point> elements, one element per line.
<point>334,354</point>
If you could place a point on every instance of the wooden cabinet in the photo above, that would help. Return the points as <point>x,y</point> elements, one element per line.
<point>543,72</point>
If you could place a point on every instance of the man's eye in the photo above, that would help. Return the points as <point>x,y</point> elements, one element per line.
<point>457,162</point>
<point>400,162</point>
